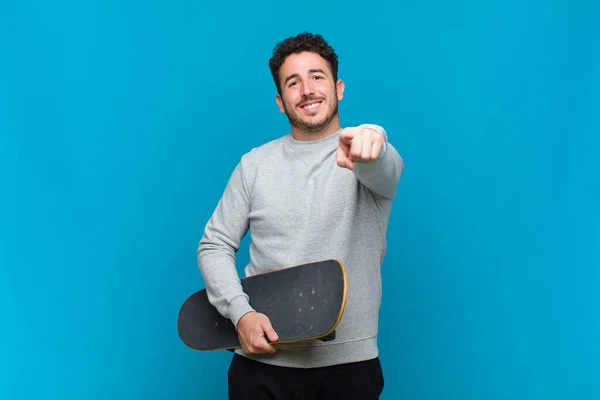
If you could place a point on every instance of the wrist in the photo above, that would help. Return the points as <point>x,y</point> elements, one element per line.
<point>238,307</point>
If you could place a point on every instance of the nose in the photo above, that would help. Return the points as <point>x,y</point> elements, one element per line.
<point>308,88</point>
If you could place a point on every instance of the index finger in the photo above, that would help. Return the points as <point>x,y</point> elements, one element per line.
<point>265,346</point>
<point>346,136</point>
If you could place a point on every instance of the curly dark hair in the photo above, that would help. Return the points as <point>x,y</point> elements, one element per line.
<point>302,42</point>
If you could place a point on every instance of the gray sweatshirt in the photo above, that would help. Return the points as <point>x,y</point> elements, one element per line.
<point>300,207</point>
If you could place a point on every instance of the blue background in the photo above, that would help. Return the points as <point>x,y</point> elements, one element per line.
<point>120,122</point>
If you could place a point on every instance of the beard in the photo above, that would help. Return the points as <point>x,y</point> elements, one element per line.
<point>314,125</point>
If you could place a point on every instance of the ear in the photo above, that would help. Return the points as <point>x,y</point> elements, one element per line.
<point>279,102</point>
<point>339,87</point>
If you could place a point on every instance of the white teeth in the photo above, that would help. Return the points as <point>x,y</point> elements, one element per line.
<point>311,106</point>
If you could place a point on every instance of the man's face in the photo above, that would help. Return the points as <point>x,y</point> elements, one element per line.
<point>309,95</point>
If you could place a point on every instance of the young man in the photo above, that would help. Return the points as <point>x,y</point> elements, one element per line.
<point>319,192</point>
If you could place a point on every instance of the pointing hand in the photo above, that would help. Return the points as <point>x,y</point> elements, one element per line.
<point>358,144</point>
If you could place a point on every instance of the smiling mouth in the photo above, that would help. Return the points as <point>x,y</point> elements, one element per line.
<point>311,105</point>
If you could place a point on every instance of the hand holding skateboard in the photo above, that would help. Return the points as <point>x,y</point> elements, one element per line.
<point>302,302</point>
<point>255,332</point>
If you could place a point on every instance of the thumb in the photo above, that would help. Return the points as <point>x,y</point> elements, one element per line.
<point>269,331</point>
<point>343,160</point>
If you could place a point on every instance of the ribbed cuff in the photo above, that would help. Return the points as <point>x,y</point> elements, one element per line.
<point>238,307</point>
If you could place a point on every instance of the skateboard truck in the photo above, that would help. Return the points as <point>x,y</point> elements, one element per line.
<point>328,338</point>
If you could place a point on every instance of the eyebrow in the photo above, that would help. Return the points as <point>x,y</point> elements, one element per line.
<point>311,71</point>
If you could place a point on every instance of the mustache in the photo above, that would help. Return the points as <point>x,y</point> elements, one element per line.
<point>306,99</point>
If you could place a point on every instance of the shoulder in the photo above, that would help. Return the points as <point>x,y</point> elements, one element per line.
<point>272,148</point>
<point>260,156</point>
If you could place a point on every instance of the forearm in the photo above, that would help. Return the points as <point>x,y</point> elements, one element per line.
<point>216,254</point>
<point>382,175</point>
<point>216,261</point>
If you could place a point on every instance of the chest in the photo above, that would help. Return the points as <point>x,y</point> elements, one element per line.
<point>294,199</point>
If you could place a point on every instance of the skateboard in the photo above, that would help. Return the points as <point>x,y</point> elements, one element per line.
<point>303,302</point>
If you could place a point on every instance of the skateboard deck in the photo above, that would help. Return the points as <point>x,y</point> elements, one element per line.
<point>302,302</point>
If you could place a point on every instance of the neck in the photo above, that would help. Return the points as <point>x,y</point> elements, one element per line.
<point>308,135</point>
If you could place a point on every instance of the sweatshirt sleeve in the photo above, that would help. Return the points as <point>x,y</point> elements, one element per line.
<point>216,254</point>
<point>382,175</point>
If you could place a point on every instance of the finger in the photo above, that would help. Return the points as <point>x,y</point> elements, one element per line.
<point>356,148</point>
<point>343,160</point>
<point>341,156</point>
<point>346,136</point>
<point>366,149</point>
<point>269,331</point>
<point>376,150</point>
<point>262,346</point>
<point>268,348</point>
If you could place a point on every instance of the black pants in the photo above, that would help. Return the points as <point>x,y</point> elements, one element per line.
<point>249,379</point>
